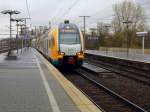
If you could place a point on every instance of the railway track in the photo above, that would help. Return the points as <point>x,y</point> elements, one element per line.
<point>136,91</point>
<point>100,94</point>
<point>141,76</point>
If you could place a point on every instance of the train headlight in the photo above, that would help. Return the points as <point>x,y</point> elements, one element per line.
<point>61,53</point>
<point>79,53</point>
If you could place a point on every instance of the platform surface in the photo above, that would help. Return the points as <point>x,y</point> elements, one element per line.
<point>122,55</point>
<point>28,84</point>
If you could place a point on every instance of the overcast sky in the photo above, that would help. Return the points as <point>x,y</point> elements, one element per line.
<point>42,11</point>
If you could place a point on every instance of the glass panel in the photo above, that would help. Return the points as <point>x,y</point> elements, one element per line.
<point>69,38</point>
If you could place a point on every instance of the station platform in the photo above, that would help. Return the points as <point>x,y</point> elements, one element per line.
<point>29,83</point>
<point>122,55</point>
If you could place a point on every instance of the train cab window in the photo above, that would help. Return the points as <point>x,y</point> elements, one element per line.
<point>69,38</point>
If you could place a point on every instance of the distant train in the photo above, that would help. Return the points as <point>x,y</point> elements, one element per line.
<point>62,45</point>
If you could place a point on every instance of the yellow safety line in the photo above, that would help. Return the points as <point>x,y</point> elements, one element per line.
<point>81,101</point>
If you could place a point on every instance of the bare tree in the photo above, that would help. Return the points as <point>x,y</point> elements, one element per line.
<point>103,33</point>
<point>133,15</point>
<point>101,30</point>
<point>128,11</point>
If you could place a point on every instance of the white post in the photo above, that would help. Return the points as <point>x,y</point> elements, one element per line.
<point>22,45</point>
<point>143,38</point>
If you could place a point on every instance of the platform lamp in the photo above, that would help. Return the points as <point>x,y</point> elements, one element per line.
<point>17,36</point>
<point>21,28</point>
<point>10,12</point>
<point>107,26</point>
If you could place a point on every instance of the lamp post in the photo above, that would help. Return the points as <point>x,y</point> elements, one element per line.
<point>10,12</point>
<point>107,30</point>
<point>21,28</point>
<point>84,18</point>
<point>127,27</point>
<point>26,33</point>
<point>17,36</point>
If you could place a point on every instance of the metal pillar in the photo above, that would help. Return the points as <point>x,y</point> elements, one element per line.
<point>143,44</point>
<point>10,36</point>
<point>127,34</point>
<point>84,17</point>
<point>17,38</point>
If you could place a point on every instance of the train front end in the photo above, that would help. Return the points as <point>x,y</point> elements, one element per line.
<point>70,44</point>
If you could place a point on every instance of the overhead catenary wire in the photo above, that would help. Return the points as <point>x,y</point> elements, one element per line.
<point>70,7</point>
<point>27,6</point>
<point>94,19</point>
<point>28,11</point>
<point>91,21</point>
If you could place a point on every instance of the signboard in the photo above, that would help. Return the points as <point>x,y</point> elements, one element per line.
<point>26,36</point>
<point>68,30</point>
<point>141,34</point>
<point>92,38</point>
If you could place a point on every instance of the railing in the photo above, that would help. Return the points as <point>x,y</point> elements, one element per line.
<point>5,46</point>
<point>131,50</point>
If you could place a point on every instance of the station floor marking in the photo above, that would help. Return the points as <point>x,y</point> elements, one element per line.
<point>51,97</point>
<point>81,101</point>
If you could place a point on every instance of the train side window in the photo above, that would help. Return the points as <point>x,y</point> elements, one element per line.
<point>52,41</point>
<point>47,45</point>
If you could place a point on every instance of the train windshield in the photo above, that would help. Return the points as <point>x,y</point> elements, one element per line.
<point>69,38</point>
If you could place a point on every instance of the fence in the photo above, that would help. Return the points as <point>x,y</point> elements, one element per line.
<point>131,50</point>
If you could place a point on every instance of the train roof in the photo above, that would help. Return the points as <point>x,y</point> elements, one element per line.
<point>71,26</point>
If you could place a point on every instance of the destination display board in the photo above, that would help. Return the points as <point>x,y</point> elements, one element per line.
<point>68,31</point>
<point>69,28</point>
